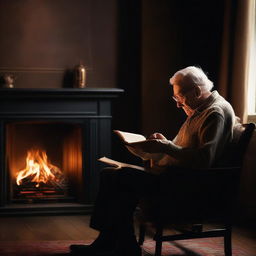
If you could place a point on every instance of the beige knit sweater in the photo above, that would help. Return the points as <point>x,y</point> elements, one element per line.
<point>204,135</point>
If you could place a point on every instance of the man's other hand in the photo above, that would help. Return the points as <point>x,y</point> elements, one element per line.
<point>157,135</point>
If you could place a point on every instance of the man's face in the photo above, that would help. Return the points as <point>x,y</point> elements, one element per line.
<point>185,99</point>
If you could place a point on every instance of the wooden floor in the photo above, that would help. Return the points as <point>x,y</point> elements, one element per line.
<point>49,228</point>
<point>46,228</point>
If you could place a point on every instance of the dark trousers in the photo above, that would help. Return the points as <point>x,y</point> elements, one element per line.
<point>173,195</point>
<point>118,195</point>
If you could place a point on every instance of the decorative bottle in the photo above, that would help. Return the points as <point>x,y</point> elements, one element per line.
<point>80,76</point>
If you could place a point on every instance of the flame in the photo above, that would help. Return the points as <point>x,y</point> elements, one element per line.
<point>39,168</point>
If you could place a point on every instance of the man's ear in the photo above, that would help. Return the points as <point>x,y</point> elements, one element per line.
<point>198,91</point>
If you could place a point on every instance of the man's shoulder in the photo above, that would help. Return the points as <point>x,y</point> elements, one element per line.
<point>220,107</point>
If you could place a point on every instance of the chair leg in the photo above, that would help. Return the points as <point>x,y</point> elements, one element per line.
<point>158,250</point>
<point>228,242</point>
<point>142,231</point>
<point>158,239</point>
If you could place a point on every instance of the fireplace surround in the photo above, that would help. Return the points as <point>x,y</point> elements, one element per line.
<point>50,140</point>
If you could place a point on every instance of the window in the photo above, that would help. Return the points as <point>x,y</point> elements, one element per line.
<point>252,74</point>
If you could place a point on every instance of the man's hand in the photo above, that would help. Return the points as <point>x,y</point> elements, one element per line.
<point>151,145</point>
<point>157,135</point>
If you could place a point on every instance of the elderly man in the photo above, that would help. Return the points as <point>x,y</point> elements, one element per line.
<point>203,137</point>
<point>200,142</point>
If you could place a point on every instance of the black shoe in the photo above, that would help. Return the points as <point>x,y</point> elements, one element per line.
<point>121,251</point>
<point>88,250</point>
<point>81,249</point>
<point>104,242</point>
<point>93,249</point>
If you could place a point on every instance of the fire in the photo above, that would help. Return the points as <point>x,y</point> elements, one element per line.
<point>38,169</point>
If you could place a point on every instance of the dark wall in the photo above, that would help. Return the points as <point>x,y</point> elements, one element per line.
<point>202,34</point>
<point>42,41</point>
<point>131,44</point>
<point>176,34</point>
<point>155,39</point>
<point>127,109</point>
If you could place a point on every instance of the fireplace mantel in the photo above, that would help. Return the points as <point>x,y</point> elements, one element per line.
<point>25,103</point>
<point>60,92</point>
<point>89,107</point>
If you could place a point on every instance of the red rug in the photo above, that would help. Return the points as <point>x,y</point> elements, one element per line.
<point>196,247</point>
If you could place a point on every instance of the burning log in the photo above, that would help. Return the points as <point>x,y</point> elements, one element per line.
<point>40,172</point>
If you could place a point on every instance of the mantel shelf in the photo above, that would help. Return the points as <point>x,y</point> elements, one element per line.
<point>60,92</point>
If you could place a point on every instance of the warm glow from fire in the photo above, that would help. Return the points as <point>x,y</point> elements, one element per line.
<point>38,169</point>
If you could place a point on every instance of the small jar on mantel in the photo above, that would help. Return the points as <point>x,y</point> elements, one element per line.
<point>80,76</point>
<point>7,80</point>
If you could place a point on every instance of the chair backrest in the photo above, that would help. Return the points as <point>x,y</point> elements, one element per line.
<point>243,143</point>
<point>234,153</point>
<point>211,193</point>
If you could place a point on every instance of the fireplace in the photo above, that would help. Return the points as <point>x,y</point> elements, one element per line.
<point>50,143</point>
<point>44,161</point>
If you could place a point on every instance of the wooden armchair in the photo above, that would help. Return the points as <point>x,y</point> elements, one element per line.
<point>200,196</point>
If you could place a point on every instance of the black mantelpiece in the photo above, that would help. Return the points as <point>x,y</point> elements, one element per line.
<point>90,108</point>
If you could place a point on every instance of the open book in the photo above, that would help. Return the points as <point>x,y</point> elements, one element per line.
<point>128,137</point>
<point>119,165</point>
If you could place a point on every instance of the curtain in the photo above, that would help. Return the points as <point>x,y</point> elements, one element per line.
<point>237,39</point>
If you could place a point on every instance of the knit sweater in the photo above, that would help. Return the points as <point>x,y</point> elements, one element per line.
<point>203,137</point>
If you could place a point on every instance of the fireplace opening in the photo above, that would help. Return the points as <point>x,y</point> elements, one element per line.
<point>44,162</point>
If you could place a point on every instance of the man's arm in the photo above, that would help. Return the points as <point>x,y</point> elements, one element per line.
<point>210,135</point>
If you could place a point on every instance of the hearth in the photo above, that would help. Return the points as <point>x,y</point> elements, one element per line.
<point>50,142</point>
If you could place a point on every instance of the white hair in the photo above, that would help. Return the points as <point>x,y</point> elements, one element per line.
<point>192,76</point>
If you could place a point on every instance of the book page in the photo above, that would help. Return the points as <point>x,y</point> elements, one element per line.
<point>119,165</point>
<point>129,137</point>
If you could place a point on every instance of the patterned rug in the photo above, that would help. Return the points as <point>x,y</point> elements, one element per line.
<point>196,247</point>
